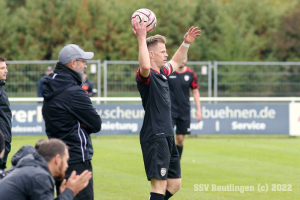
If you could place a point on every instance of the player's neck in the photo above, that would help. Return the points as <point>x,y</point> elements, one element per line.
<point>181,69</point>
<point>155,67</point>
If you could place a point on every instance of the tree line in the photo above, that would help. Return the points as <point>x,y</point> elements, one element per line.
<point>232,30</point>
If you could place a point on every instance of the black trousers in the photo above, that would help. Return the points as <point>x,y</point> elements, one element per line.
<point>88,192</point>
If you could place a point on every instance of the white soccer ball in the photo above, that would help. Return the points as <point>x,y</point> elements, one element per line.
<point>145,15</point>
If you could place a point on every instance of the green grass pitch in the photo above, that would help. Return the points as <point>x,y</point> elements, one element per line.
<point>253,162</point>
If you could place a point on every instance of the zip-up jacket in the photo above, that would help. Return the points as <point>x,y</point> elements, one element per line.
<point>5,114</point>
<point>31,179</point>
<point>69,113</point>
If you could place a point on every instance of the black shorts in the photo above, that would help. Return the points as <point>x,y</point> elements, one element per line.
<point>182,124</point>
<point>161,158</point>
<point>88,192</point>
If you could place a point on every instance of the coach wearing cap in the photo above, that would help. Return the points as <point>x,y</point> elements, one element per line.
<point>68,111</point>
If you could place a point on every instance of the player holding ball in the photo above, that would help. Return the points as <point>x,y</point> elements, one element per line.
<point>161,158</point>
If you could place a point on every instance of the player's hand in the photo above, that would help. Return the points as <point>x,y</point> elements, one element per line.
<point>191,35</point>
<point>140,29</point>
<point>78,182</point>
<point>198,116</point>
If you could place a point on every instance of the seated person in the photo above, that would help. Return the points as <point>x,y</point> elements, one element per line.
<point>33,176</point>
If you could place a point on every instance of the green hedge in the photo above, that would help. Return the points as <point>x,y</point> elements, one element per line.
<point>232,30</point>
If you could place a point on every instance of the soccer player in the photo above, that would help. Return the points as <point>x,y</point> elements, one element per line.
<point>161,158</point>
<point>180,82</point>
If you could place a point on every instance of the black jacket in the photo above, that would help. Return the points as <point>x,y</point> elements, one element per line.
<point>5,114</point>
<point>31,179</point>
<point>69,113</point>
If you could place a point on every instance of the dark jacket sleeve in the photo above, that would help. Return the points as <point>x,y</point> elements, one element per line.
<point>83,109</point>
<point>42,188</point>
<point>67,194</point>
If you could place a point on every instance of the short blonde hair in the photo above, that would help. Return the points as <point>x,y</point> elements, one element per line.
<point>153,40</point>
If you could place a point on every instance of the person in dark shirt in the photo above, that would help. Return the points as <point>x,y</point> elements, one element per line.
<point>161,158</point>
<point>180,82</point>
<point>49,70</point>
<point>5,112</point>
<point>88,86</point>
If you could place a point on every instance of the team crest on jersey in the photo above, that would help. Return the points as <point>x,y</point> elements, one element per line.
<point>163,171</point>
<point>186,77</point>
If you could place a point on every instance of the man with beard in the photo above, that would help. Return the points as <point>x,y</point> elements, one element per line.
<point>69,113</point>
<point>33,177</point>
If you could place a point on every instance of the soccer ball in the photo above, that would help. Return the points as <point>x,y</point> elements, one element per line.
<point>146,15</point>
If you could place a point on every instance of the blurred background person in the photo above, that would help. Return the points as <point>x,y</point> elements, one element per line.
<point>40,84</point>
<point>180,82</point>
<point>88,85</point>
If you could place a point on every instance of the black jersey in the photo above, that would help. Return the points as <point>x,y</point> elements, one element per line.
<point>155,94</point>
<point>180,84</point>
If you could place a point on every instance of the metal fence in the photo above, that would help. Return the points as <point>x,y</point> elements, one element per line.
<point>256,79</point>
<point>23,76</point>
<point>119,78</point>
<point>223,79</point>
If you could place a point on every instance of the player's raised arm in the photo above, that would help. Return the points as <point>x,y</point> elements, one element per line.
<point>140,31</point>
<point>181,53</point>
